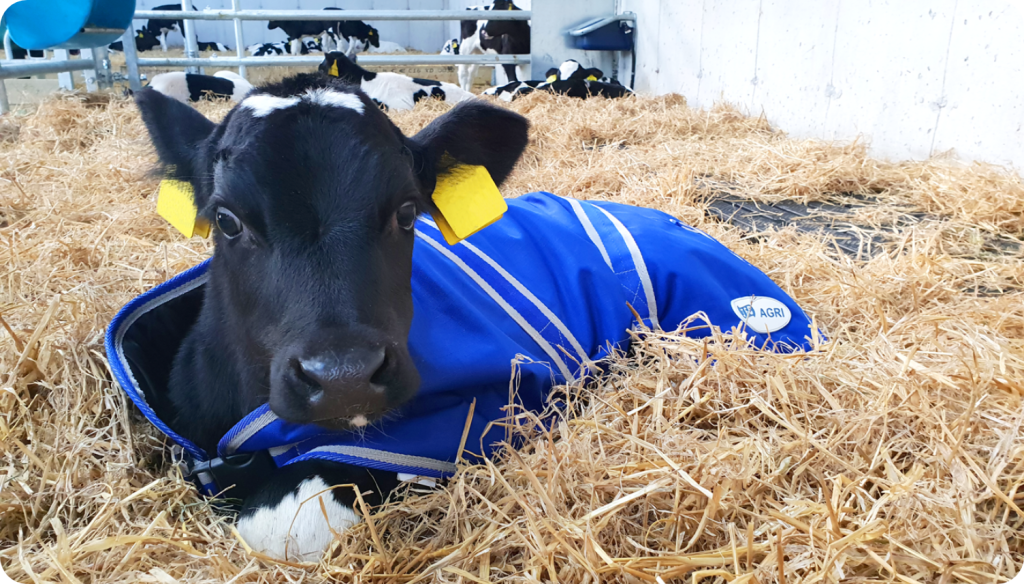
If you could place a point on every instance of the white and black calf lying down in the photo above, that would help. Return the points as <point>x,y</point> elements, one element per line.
<point>297,342</point>
<point>391,90</point>
<point>570,79</point>
<point>186,87</point>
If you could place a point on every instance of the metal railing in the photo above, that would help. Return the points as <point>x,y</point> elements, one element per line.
<point>192,61</point>
<point>96,68</point>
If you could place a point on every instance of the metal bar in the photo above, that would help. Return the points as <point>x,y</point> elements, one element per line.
<point>8,45</point>
<point>66,81</point>
<point>131,59</point>
<point>103,73</point>
<point>363,60</point>
<point>11,69</point>
<point>191,44</point>
<point>5,106</point>
<point>329,15</point>
<point>236,6</point>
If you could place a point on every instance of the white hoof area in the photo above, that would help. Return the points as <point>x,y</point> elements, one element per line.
<point>297,529</point>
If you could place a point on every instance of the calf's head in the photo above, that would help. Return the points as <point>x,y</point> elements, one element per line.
<point>314,195</point>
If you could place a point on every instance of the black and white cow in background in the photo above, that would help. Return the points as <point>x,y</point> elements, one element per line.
<point>370,165</point>
<point>356,35</point>
<point>267,49</point>
<point>186,87</point>
<point>212,46</point>
<point>392,90</point>
<point>159,27</point>
<point>144,41</point>
<point>475,40</point>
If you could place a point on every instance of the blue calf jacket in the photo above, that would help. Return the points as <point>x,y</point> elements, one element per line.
<point>539,296</point>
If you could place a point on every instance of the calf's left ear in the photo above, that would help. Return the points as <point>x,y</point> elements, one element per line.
<point>475,133</point>
<point>177,130</point>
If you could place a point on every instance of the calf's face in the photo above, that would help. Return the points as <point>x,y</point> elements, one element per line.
<point>314,194</point>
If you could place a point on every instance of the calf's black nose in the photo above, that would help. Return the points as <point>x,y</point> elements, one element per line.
<point>341,385</point>
<point>350,370</point>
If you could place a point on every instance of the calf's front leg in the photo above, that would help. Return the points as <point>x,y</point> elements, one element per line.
<point>284,519</point>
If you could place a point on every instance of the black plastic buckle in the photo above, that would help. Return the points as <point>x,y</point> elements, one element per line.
<point>235,476</point>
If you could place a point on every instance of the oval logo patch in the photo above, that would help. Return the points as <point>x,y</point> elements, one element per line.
<point>761,313</point>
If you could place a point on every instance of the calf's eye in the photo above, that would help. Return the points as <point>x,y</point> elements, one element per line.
<point>406,216</point>
<point>228,224</point>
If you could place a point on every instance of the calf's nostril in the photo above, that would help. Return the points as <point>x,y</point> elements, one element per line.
<point>308,371</point>
<point>377,377</point>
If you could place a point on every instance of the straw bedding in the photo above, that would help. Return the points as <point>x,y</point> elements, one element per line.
<point>893,453</point>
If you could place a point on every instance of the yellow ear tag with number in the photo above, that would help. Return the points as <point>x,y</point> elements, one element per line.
<point>176,204</point>
<point>468,201</point>
<point>334,69</point>
<point>591,78</point>
<point>552,78</point>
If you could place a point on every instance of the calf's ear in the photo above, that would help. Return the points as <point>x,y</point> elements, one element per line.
<point>473,132</point>
<point>177,131</point>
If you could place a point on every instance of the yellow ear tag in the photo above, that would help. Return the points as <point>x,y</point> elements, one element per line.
<point>334,69</point>
<point>176,204</point>
<point>552,78</point>
<point>468,201</point>
<point>591,78</point>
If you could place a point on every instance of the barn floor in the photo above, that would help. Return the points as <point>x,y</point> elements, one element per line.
<point>894,453</point>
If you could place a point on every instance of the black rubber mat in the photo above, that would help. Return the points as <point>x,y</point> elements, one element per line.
<point>827,220</point>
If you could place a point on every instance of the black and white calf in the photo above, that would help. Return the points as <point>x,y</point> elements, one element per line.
<point>570,78</point>
<point>144,41</point>
<point>352,221</point>
<point>300,329</point>
<point>476,40</point>
<point>212,46</point>
<point>267,49</point>
<point>392,90</point>
<point>356,35</point>
<point>186,87</point>
<point>571,69</point>
<point>160,27</point>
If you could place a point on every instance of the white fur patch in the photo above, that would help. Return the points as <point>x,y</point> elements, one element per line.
<point>419,480</point>
<point>332,98</point>
<point>173,84</point>
<point>262,105</point>
<point>296,529</point>
<point>566,69</point>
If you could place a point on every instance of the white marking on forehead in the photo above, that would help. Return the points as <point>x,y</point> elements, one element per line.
<point>332,98</point>
<point>568,68</point>
<point>262,105</point>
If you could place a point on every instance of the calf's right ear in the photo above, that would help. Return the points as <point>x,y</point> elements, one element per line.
<point>177,131</point>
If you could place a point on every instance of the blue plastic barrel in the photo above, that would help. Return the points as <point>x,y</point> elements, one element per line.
<point>68,24</point>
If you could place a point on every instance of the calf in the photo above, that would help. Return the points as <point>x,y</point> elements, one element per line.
<point>267,49</point>
<point>291,362</point>
<point>357,34</point>
<point>160,27</point>
<point>391,90</point>
<point>212,46</point>
<point>144,41</point>
<point>186,87</point>
<point>474,40</point>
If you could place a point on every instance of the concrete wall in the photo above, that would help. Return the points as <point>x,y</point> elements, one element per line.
<point>915,78</point>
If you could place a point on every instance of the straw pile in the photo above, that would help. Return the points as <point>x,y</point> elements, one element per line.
<point>893,453</point>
